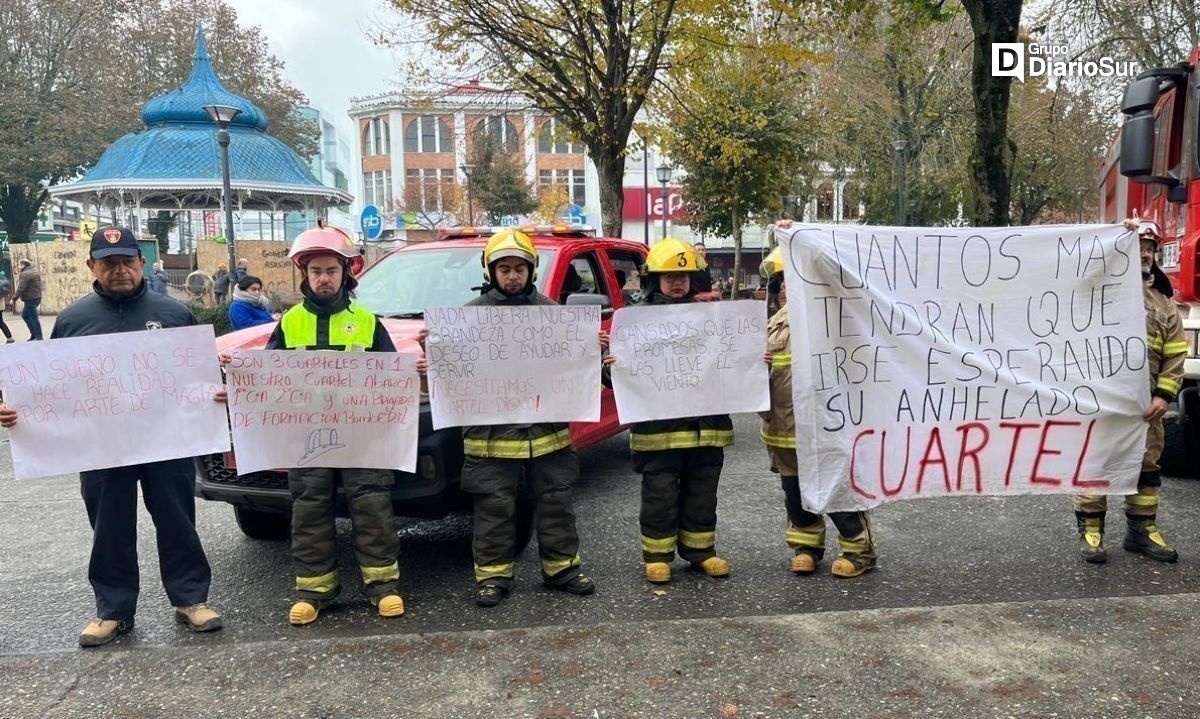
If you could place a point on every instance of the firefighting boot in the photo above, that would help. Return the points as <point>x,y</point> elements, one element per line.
<point>305,611</point>
<point>1142,535</point>
<point>488,594</point>
<point>857,556</point>
<point>390,605</point>
<point>713,567</point>
<point>804,562</point>
<point>1091,539</point>
<point>658,572</point>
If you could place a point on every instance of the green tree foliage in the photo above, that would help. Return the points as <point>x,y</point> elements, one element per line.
<point>738,130</point>
<point>592,64</point>
<point>498,183</point>
<point>77,74</point>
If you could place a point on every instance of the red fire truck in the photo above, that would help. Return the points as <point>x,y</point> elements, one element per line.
<point>1153,170</point>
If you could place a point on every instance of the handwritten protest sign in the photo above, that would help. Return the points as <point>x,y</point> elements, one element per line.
<point>113,400</point>
<point>324,409</point>
<point>689,360</point>
<point>513,365</point>
<point>949,361</point>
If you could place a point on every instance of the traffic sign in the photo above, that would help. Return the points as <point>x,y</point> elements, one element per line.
<point>371,222</point>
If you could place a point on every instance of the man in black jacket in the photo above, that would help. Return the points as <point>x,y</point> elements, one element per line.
<point>122,303</point>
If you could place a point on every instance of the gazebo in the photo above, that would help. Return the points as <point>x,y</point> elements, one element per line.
<point>175,162</point>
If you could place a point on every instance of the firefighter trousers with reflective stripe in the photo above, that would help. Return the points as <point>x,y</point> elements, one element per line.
<point>806,530</point>
<point>679,502</point>
<point>314,542</point>
<point>1144,504</point>
<point>110,496</point>
<point>496,483</point>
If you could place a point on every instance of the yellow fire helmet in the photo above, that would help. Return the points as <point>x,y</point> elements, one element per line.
<point>672,255</point>
<point>773,264</point>
<point>509,242</point>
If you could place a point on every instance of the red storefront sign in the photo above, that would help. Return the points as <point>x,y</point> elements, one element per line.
<point>642,204</point>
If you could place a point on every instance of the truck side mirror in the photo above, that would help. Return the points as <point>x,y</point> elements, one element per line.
<point>1137,146</point>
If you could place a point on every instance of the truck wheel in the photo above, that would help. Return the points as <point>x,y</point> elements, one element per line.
<point>525,512</point>
<point>1181,451</point>
<point>263,525</point>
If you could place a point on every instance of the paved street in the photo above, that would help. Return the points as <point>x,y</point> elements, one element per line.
<point>980,607</point>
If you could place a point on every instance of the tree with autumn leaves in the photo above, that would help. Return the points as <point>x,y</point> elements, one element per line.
<point>76,76</point>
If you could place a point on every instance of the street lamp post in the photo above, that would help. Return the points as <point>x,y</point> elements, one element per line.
<point>467,169</point>
<point>663,172</point>
<point>899,146</point>
<point>223,115</point>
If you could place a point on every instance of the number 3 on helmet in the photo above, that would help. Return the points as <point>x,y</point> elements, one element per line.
<point>672,255</point>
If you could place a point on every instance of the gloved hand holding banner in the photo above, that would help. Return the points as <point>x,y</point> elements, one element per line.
<point>934,362</point>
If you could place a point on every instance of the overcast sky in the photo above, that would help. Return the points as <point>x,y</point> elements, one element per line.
<point>324,47</point>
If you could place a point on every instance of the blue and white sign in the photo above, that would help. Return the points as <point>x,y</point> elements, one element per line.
<point>371,222</point>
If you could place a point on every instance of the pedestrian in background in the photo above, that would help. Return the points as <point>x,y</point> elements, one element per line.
<point>242,269</point>
<point>157,280</point>
<point>29,291</point>
<point>221,282</point>
<point>5,293</point>
<point>249,307</point>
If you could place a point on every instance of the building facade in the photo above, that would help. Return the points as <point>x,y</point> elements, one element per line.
<point>413,154</point>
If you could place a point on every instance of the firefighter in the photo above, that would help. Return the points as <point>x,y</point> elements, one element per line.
<point>1165,352</point>
<point>680,460</point>
<point>806,530</point>
<point>330,319</point>
<point>499,456</point>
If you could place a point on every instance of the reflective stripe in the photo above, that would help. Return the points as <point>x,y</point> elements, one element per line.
<point>1154,342</point>
<point>517,448</point>
<point>781,360</point>
<point>855,546</point>
<point>680,440</point>
<point>371,575</point>
<point>493,571</point>
<point>697,540</point>
<point>787,441</point>
<point>551,567</point>
<point>652,545</point>
<point>323,584</point>
<point>1142,500</point>
<point>1178,347</point>
<point>1169,384</point>
<point>801,538</point>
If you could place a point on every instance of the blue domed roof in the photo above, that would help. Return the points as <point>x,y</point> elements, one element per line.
<point>186,104</point>
<point>175,162</point>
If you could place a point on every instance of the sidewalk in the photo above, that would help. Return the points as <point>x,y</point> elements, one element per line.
<point>20,331</point>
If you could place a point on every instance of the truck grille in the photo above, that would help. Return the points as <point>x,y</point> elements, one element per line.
<point>218,473</point>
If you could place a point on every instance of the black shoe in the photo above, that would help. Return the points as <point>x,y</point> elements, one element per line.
<point>1142,536</point>
<point>490,595</point>
<point>578,585</point>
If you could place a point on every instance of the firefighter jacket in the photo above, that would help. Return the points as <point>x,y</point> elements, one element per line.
<point>343,325</point>
<point>684,432</point>
<point>779,422</point>
<point>1165,344</point>
<point>514,441</point>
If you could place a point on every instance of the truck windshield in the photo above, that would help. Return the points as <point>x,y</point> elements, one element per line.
<point>403,284</point>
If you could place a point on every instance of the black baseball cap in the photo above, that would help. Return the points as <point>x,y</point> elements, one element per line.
<point>109,240</point>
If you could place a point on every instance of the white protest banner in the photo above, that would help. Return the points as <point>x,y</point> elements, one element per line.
<point>935,362</point>
<point>689,360</point>
<point>113,400</point>
<point>513,365</point>
<point>292,409</point>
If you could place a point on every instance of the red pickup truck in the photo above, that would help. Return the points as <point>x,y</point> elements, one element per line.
<point>575,267</point>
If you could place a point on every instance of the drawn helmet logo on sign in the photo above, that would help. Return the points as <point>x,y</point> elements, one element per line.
<point>153,325</point>
<point>112,236</point>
